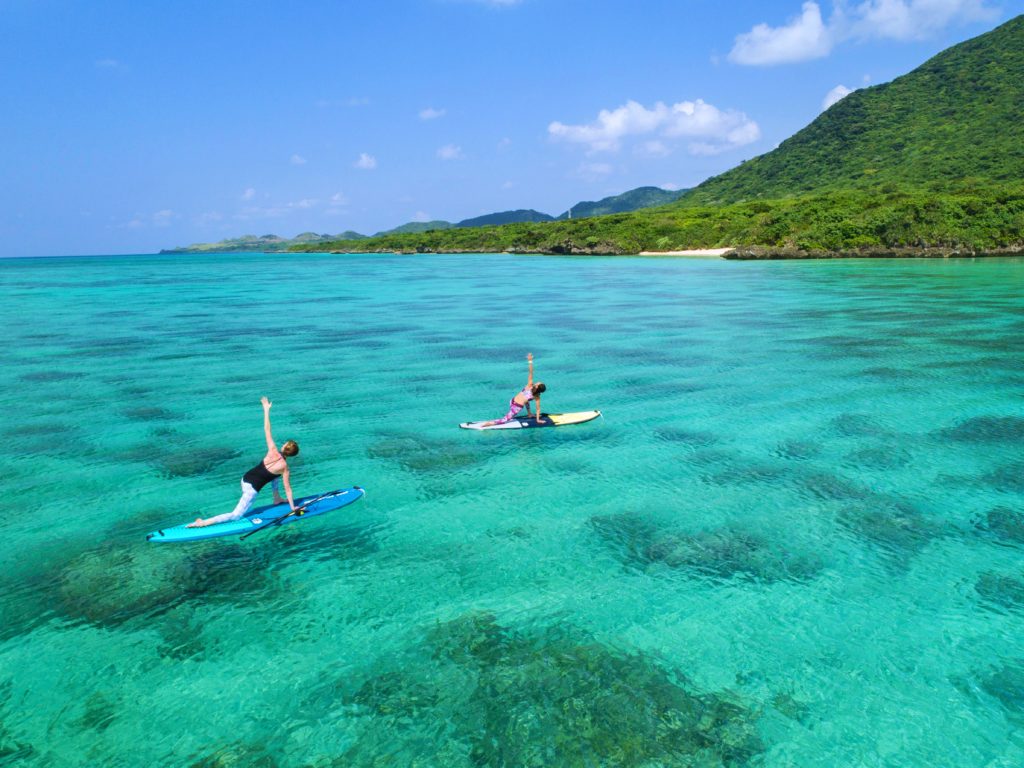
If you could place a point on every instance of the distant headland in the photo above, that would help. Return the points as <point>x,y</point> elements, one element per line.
<point>928,165</point>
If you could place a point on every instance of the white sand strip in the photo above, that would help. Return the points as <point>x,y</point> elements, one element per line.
<point>704,253</point>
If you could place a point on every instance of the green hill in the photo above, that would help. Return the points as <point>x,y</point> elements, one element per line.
<point>956,117</point>
<point>416,227</point>
<point>634,199</point>
<point>929,164</point>
<point>505,217</point>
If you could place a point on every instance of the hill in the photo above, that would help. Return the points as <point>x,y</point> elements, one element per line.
<point>633,200</point>
<point>955,117</point>
<point>929,164</point>
<point>505,217</point>
<point>415,227</point>
<point>263,243</point>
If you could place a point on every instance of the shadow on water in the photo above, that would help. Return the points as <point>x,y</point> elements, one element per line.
<point>548,697</point>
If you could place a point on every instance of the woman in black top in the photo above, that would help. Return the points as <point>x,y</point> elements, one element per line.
<point>272,468</point>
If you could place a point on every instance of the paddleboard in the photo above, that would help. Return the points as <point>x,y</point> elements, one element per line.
<point>258,516</point>
<point>547,420</point>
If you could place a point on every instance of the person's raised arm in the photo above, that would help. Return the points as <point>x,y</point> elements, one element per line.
<point>537,400</point>
<point>271,448</point>
<point>529,360</point>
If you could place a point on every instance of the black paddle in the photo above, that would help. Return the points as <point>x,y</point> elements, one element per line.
<point>298,512</point>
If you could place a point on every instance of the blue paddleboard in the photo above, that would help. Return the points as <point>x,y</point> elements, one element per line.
<point>260,516</point>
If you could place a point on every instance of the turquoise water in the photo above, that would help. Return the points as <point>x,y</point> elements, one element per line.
<point>796,537</point>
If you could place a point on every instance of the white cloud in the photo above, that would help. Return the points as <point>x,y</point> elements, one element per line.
<point>915,19</point>
<point>450,152</point>
<point>504,144</point>
<point>355,101</point>
<point>366,162</point>
<point>805,37</point>
<point>298,160</point>
<point>421,216</point>
<point>654,149</point>
<point>593,171</point>
<point>431,114</point>
<point>706,125</point>
<point>159,219</point>
<point>249,194</point>
<point>836,94</point>
<point>808,37</point>
<point>669,187</point>
<point>337,200</point>
<point>508,185</point>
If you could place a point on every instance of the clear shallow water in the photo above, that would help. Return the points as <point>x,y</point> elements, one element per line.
<point>795,539</point>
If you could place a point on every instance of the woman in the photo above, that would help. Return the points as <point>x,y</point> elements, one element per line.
<point>272,468</point>
<point>530,392</point>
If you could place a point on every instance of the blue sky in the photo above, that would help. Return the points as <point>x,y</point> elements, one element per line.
<point>126,127</point>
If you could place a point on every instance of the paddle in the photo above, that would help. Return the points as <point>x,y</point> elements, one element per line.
<point>298,512</point>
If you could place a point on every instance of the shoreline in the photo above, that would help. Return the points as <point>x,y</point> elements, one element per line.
<point>742,253</point>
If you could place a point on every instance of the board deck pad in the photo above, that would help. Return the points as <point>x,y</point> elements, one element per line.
<point>258,516</point>
<point>548,420</point>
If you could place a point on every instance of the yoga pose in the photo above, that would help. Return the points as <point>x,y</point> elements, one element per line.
<point>522,399</point>
<point>272,468</point>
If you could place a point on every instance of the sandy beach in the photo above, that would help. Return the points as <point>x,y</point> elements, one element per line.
<point>702,253</point>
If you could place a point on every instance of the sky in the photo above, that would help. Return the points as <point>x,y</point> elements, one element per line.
<point>127,127</point>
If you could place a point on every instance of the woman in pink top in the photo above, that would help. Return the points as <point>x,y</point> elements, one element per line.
<point>530,392</point>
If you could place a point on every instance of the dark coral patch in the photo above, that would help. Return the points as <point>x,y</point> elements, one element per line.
<point>878,457</point>
<point>690,437</point>
<point>999,590</point>
<point>832,487</point>
<point>193,462</point>
<point>149,413</point>
<point>722,554</point>
<point>797,450</point>
<point>234,755</point>
<point>987,429</point>
<point>419,454</point>
<point>1007,524</point>
<point>553,697</point>
<point>1007,685</point>
<point>857,425</point>
<point>895,526</point>
<point>115,585</point>
<point>42,377</point>
<point>1008,478</point>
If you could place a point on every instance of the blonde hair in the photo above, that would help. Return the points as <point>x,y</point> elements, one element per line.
<point>290,448</point>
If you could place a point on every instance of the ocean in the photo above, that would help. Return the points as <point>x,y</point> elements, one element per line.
<point>796,536</point>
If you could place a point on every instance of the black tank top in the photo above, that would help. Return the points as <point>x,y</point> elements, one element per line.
<point>259,476</point>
